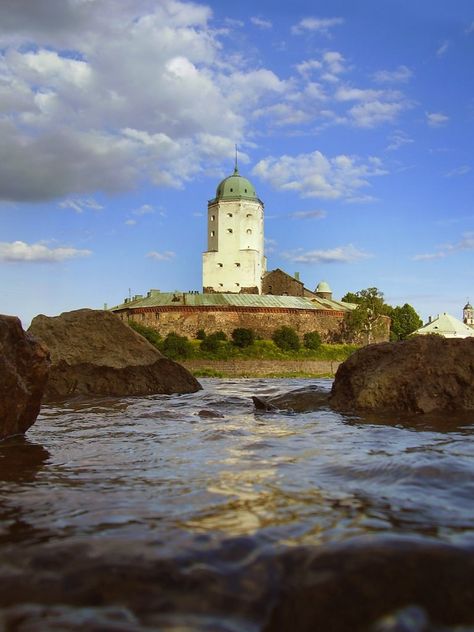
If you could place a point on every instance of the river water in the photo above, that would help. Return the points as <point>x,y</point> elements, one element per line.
<point>184,495</point>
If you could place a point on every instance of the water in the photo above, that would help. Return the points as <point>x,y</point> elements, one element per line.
<point>203,486</point>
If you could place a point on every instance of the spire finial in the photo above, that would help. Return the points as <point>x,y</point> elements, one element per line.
<point>236,167</point>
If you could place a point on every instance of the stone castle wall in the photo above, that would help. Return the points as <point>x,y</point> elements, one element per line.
<point>188,320</point>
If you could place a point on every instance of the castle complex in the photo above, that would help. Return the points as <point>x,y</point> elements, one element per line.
<point>238,291</point>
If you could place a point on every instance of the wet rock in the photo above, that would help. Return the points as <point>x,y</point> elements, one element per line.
<point>24,365</point>
<point>299,401</point>
<point>94,353</point>
<point>419,375</point>
<point>205,413</point>
<point>354,586</point>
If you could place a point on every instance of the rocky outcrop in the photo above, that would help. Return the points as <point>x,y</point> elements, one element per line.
<point>298,401</point>
<point>421,375</point>
<point>24,365</point>
<point>94,353</point>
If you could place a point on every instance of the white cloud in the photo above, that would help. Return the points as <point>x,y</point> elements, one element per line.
<point>443,48</point>
<point>470,28</point>
<point>261,23</point>
<point>401,74</point>
<point>398,139</point>
<point>167,255</point>
<point>270,245</point>
<point>315,175</point>
<point>373,113</point>
<point>316,25</point>
<point>38,253</point>
<point>81,205</point>
<point>306,67</point>
<point>466,243</point>
<point>341,254</point>
<point>459,171</point>
<point>96,98</point>
<point>308,214</point>
<point>145,209</point>
<point>130,222</point>
<point>436,119</point>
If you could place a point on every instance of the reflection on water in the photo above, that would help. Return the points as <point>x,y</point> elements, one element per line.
<point>192,474</point>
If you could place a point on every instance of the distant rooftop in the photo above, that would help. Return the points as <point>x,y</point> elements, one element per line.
<point>447,326</point>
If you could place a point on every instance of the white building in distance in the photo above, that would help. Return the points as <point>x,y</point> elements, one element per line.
<point>234,260</point>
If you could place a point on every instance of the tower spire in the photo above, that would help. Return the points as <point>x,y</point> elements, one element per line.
<point>236,167</point>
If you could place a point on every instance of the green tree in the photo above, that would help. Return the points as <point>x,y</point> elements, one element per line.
<point>351,297</point>
<point>149,333</point>
<point>211,343</point>
<point>175,346</point>
<point>366,317</point>
<point>220,335</point>
<point>286,339</point>
<point>405,321</point>
<point>242,337</point>
<point>312,340</point>
<point>200,334</point>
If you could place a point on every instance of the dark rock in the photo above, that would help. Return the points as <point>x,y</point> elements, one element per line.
<point>299,401</point>
<point>94,353</point>
<point>352,586</point>
<point>24,365</point>
<point>210,414</point>
<point>419,375</point>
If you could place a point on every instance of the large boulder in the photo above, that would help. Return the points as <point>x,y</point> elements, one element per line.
<point>24,365</point>
<point>421,375</point>
<point>94,353</point>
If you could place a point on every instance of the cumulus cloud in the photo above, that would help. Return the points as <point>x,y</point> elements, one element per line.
<point>316,25</point>
<point>436,119</point>
<point>261,23</point>
<point>167,255</point>
<point>94,97</point>
<point>315,175</point>
<point>144,209</point>
<point>341,254</point>
<point>17,251</point>
<point>401,74</point>
<point>466,243</point>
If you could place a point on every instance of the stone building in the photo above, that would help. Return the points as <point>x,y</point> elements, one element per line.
<point>234,260</point>
<point>237,289</point>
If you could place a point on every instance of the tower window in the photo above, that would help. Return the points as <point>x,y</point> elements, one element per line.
<point>249,215</point>
<point>220,265</point>
<point>249,232</point>
<point>245,190</point>
<point>230,231</point>
<point>213,217</point>
<point>221,285</point>
<point>213,233</point>
<point>237,284</point>
<point>229,214</point>
<point>231,190</point>
<point>237,264</point>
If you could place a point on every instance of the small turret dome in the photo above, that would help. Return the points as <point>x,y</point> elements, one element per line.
<point>235,186</point>
<point>468,305</point>
<point>323,287</point>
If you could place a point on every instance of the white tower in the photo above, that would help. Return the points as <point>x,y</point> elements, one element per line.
<point>234,261</point>
<point>468,314</point>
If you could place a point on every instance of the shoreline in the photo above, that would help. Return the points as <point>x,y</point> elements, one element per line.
<point>262,368</point>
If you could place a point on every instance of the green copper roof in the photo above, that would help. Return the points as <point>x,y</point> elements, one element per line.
<point>235,186</point>
<point>155,298</point>
<point>323,287</point>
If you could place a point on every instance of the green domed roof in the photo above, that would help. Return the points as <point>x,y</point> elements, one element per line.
<point>468,305</point>
<point>323,287</point>
<point>235,186</point>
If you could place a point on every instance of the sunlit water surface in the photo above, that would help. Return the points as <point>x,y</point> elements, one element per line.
<point>160,471</point>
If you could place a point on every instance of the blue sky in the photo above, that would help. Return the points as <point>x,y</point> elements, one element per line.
<point>118,118</point>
